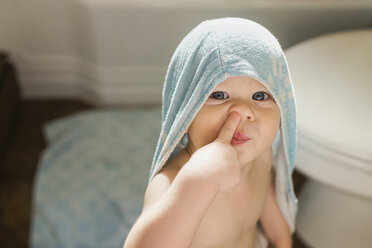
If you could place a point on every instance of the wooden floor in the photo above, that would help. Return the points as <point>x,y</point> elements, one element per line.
<point>17,168</point>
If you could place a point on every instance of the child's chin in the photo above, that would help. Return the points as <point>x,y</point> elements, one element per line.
<point>246,158</point>
<point>248,154</point>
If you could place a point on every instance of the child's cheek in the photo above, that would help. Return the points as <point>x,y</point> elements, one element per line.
<point>213,121</point>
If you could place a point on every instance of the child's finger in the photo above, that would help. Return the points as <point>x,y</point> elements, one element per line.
<point>228,129</point>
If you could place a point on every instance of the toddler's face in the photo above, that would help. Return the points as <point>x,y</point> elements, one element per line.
<point>260,116</point>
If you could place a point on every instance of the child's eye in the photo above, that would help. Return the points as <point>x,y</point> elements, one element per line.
<point>219,95</point>
<point>260,96</point>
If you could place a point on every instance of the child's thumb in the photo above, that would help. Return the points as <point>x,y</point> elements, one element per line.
<point>228,129</point>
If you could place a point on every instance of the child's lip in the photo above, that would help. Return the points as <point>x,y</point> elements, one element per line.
<point>238,136</point>
<point>238,142</point>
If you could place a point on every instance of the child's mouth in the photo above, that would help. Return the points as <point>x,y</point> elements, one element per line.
<point>239,138</point>
<point>238,142</point>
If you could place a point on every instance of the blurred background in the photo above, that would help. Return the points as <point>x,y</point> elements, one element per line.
<point>107,60</point>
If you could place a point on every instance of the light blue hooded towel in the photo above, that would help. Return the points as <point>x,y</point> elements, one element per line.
<point>211,52</point>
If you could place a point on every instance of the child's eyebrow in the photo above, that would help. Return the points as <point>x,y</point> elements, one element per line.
<point>262,87</point>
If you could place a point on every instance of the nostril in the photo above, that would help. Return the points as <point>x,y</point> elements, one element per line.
<point>250,117</point>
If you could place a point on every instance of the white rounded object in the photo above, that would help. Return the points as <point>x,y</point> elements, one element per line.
<point>332,80</point>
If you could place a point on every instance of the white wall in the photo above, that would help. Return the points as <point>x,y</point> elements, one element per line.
<point>116,52</point>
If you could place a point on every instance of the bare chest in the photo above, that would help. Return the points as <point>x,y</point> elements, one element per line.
<point>231,219</point>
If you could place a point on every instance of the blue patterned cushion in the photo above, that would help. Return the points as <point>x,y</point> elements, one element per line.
<point>92,176</point>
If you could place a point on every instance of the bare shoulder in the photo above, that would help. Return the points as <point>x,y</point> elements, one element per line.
<point>160,183</point>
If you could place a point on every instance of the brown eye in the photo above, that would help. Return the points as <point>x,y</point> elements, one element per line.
<point>219,95</point>
<point>260,96</point>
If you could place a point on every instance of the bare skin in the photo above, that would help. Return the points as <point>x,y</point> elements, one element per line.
<point>231,219</point>
<point>212,200</point>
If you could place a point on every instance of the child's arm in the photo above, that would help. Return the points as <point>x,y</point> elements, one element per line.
<point>173,209</point>
<point>273,222</point>
<point>172,220</point>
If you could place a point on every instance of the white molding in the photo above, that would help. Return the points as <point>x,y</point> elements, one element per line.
<point>72,77</point>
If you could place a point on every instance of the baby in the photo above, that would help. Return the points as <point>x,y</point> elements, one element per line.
<point>221,174</point>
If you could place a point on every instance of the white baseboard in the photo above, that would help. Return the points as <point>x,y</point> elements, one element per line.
<point>70,77</point>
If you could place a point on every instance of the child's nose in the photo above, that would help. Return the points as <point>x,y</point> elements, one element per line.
<point>244,109</point>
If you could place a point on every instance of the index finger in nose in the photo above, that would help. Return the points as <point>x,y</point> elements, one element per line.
<point>228,129</point>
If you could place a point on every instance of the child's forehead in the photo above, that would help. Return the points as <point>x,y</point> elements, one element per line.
<point>240,81</point>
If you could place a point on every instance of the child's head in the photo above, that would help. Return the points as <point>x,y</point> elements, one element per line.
<point>260,116</point>
<point>221,53</point>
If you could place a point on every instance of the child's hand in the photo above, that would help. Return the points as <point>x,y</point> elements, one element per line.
<point>219,161</point>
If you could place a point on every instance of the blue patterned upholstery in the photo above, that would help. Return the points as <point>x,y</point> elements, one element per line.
<point>92,176</point>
